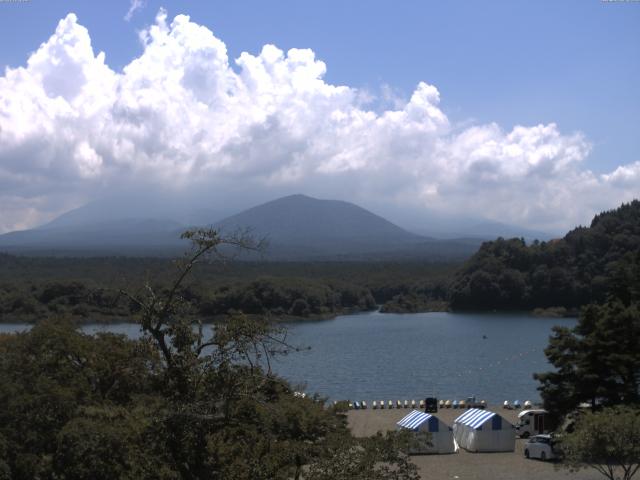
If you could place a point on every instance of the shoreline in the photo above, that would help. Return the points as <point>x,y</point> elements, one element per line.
<point>552,312</point>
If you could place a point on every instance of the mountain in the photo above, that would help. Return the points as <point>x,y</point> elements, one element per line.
<point>133,236</point>
<point>297,228</point>
<point>302,220</point>
<point>133,208</point>
<point>120,225</point>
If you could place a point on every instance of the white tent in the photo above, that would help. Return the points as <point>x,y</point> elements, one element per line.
<point>440,438</point>
<point>484,431</point>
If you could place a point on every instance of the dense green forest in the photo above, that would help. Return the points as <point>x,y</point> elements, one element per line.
<point>581,268</point>
<point>88,289</point>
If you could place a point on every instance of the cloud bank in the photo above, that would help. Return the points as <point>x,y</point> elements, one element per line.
<point>181,116</point>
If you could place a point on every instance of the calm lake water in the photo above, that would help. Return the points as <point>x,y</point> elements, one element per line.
<point>375,356</point>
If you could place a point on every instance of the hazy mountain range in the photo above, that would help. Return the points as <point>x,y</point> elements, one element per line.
<point>297,227</point>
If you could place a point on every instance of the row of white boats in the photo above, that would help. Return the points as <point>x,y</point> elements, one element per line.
<point>456,404</point>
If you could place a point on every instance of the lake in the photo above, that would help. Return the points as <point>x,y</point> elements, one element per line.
<point>376,356</point>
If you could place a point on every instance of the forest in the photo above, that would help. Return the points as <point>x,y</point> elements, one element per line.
<point>506,274</point>
<point>582,267</point>
<point>88,289</point>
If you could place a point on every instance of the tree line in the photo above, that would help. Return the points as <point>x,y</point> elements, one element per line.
<point>278,297</point>
<point>578,269</point>
<point>597,365</point>
<point>87,289</point>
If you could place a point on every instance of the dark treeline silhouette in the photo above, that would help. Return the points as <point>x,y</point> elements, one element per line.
<point>578,269</point>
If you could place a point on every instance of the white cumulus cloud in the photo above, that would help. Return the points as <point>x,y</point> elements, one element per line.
<point>183,116</point>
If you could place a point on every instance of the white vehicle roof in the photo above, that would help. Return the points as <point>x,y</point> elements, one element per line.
<point>545,436</point>
<point>527,412</point>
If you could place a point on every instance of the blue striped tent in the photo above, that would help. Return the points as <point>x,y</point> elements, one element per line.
<point>439,438</point>
<point>479,430</point>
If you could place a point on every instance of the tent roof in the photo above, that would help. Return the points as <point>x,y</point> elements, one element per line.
<point>475,417</point>
<point>414,420</point>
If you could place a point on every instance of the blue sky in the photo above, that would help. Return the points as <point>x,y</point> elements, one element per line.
<point>576,63</point>
<point>570,66</point>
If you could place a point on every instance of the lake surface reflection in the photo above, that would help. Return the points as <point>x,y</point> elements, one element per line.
<point>374,356</point>
<point>390,356</point>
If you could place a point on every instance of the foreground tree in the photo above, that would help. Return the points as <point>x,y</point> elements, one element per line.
<point>183,402</point>
<point>379,457</point>
<point>597,361</point>
<point>607,441</point>
<point>65,395</point>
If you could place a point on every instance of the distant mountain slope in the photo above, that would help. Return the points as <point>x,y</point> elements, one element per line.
<point>114,237</point>
<point>301,227</point>
<point>298,219</point>
<point>297,227</point>
<point>123,225</point>
<point>126,208</point>
<point>580,268</point>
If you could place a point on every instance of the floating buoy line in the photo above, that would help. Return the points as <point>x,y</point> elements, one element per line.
<point>443,404</point>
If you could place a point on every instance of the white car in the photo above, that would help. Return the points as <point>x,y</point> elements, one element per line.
<point>539,446</point>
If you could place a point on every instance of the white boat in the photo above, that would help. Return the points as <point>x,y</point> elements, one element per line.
<point>413,404</point>
<point>374,405</point>
<point>406,404</point>
<point>390,404</point>
<point>363,405</point>
<point>421,404</point>
<point>381,404</point>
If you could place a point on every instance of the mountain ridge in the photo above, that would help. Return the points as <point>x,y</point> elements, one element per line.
<point>298,227</point>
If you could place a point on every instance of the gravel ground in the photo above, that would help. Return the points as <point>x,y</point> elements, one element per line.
<point>464,465</point>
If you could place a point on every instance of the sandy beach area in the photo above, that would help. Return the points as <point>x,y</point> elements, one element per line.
<point>464,465</point>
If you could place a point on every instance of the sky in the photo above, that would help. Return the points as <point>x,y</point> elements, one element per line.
<point>520,112</point>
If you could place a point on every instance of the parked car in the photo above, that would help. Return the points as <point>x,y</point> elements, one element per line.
<point>540,446</point>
